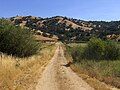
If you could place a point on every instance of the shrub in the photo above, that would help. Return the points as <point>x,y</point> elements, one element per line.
<point>16,41</point>
<point>76,52</point>
<point>95,49</point>
<point>112,51</point>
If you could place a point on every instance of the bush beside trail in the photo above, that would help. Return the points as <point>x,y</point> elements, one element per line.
<point>97,49</point>
<point>16,41</point>
<point>98,59</point>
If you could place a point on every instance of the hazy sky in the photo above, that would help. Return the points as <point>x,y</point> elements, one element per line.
<point>82,9</point>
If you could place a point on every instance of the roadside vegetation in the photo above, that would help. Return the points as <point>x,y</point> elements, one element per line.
<point>23,73</point>
<point>17,41</point>
<point>99,59</point>
<point>22,58</point>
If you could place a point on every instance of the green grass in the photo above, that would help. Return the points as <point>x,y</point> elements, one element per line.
<point>118,43</point>
<point>107,71</point>
<point>77,44</point>
<point>101,68</point>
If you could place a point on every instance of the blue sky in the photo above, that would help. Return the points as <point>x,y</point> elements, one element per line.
<point>80,9</point>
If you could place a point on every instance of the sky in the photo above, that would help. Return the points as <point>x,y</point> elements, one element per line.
<point>106,10</point>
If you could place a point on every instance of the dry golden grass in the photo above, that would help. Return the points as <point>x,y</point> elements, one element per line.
<point>42,38</point>
<point>22,74</point>
<point>93,82</point>
<point>74,25</point>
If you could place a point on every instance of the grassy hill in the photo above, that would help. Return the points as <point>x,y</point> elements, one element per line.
<point>69,29</point>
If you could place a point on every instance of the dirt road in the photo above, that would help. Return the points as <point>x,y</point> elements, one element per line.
<point>56,76</point>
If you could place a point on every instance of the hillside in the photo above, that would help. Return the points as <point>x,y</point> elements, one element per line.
<point>69,29</point>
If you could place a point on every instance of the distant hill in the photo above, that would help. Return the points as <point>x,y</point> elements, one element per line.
<point>69,29</point>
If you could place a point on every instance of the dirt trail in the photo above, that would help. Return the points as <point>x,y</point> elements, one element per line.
<point>58,77</point>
